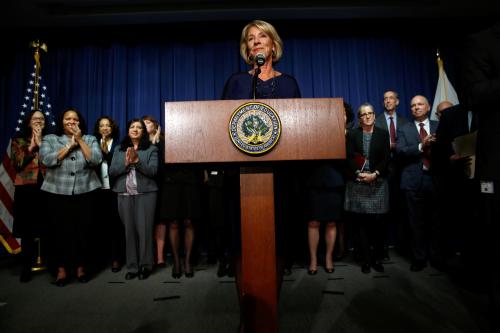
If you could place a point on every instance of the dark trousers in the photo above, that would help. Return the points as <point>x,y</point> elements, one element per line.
<point>71,217</point>
<point>137,213</point>
<point>113,235</point>
<point>424,222</point>
<point>490,215</point>
<point>371,235</point>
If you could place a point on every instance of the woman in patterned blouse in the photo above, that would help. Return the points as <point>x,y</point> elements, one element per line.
<point>29,221</point>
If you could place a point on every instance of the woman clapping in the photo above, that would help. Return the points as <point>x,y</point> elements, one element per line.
<point>133,170</point>
<point>71,183</point>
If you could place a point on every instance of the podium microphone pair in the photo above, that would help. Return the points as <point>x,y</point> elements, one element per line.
<point>259,59</point>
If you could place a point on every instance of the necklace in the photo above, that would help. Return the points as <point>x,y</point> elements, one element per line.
<point>266,89</point>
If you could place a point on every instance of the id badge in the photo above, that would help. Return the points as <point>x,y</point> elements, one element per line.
<point>487,187</point>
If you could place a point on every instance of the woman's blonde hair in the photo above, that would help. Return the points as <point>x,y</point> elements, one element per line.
<point>270,31</point>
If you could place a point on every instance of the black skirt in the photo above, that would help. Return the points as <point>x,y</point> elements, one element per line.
<point>181,194</point>
<point>324,204</point>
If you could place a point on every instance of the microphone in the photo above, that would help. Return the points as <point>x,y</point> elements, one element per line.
<point>260,59</point>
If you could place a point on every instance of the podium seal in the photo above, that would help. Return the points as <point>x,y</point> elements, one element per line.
<point>254,128</point>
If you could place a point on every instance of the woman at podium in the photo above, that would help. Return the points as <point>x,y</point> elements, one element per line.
<point>261,47</point>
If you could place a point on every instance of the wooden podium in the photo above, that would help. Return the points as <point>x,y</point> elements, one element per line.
<point>197,132</point>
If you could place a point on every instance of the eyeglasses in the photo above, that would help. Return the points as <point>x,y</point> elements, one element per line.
<point>37,118</point>
<point>366,114</point>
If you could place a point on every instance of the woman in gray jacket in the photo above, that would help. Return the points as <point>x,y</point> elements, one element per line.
<point>133,168</point>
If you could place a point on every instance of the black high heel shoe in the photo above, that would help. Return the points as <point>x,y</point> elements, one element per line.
<point>176,272</point>
<point>312,271</point>
<point>61,282</point>
<point>189,274</point>
<point>329,270</point>
<point>84,278</point>
<point>144,273</point>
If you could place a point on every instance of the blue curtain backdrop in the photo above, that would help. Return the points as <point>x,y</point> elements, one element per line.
<point>131,79</point>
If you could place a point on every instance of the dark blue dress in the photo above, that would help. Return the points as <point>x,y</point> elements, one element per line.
<point>239,86</point>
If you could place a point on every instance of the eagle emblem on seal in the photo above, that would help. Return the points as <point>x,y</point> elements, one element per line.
<point>254,128</point>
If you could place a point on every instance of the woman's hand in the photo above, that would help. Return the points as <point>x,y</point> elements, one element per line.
<point>156,137</point>
<point>72,143</point>
<point>366,177</point>
<point>36,138</point>
<point>131,156</point>
<point>104,145</point>
<point>77,134</point>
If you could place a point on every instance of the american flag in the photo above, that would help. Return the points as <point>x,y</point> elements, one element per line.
<point>35,98</point>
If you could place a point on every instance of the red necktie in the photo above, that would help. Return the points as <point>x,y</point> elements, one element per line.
<point>392,131</point>
<point>423,134</point>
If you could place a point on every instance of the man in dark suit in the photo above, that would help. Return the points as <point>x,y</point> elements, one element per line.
<point>390,121</point>
<point>454,184</point>
<point>413,147</point>
<point>480,82</point>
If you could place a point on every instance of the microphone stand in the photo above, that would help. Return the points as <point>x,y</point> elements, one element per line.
<point>254,81</point>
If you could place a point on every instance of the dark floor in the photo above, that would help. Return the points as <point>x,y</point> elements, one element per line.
<point>345,301</point>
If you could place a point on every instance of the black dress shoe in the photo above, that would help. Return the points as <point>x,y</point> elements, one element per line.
<point>61,282</point>
<point>144,274</point>
<point>329,270</point>
<point>312,271</point>
<point>386,255</point>
<point>365,268</point>
<point>130,276</point>
<point>84,278</point>
<point>439,265</point>
<point>377,266</point>
<point>231,271</point>
<point>25,275</point>
<point>189,274</point>
<point>176,272</point>
<point>417,266</point>
<point>161,265</point>
<point>222,269</point>
<point>116,267</point>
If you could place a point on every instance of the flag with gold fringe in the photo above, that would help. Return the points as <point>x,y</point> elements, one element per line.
<point>444,89</point>
<point>35,98</point>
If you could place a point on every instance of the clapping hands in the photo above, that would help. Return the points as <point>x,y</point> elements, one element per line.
<point>36,137</point>
<point>131,156</point>
<point>156,137</point>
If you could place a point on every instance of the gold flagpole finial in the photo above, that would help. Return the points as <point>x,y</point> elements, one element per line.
<point>36,44</point>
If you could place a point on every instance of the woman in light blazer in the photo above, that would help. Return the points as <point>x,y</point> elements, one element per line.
<point>133,170</point>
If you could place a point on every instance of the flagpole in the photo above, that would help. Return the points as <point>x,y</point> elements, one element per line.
<point>37,45</point>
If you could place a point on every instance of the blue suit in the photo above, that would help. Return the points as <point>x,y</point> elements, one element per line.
<point>419,192</point>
